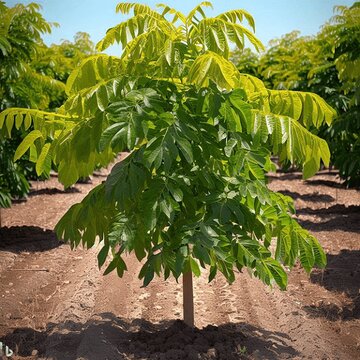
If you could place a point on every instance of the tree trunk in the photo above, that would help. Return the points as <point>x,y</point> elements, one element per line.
<point>188,299</point>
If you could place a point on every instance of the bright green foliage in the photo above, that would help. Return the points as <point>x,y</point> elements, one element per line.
<point>192,192</point>
<point>31,75</point>
<point>327,65</point>
<point>20,32</point>
<point>343,33</point>
<point>21,27</point>
<point>283,68</point>
<point>58,61</point>
<point>345,29</point>
<point>13,182</point>
<point>246,61</point>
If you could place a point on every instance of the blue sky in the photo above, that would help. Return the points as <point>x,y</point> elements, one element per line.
<point>273,18</point>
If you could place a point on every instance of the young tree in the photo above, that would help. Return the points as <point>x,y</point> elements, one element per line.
<point>192,193</point>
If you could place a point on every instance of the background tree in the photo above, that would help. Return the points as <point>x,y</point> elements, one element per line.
<point>328,65</point>
<point>287,62</point>
<point>59,60</point>
<point>20,35</point>
<point>192,193</point>
<point>343,33</point>
<point>31,75</point>
<point>247,62</point>
<point>20,32</point>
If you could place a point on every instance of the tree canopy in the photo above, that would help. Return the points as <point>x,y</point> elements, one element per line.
<point>192,192</point>
<point>32,75</point>
<point>326,64</point>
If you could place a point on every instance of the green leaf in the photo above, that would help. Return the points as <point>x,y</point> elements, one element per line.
<point>102,255</point>
<point>277,272</point>
<point>166,208</point>
<point>291,140</point>
<point>33,156</point>
<point>26,143</point>
<point>185,148</point>
<point>310,168</point>
<point>43,164</point>
<point>93,70</point>
<point>194,266</point>
<point>319,254</point>
<point>211,66</point>
<point>238,14</point>
<point>149,274</point>
<point>212,274</point>
<point>307,108</point>
<point>154,153</point>
<point>27,121</point>
<point>149,203</point>
<point>175,192</point>
<point>111,135</point>
<point>231,117</point>
<point>230,146</point>
<point>102,98</point>
<point>18,120</point>
<point>68,173</point>
<point>120,267</point>
<point>201,253</point>
<point>112,266</point>
<point>244,109</point>
<point>306,254</point>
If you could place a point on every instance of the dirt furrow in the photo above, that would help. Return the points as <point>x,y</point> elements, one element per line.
<point>55,302</point>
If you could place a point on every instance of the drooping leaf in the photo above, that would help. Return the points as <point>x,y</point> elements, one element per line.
<point>211,66</point>
<point>43,163</point>
<point>26,143</point>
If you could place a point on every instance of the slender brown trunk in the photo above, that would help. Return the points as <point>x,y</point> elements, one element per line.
<point>188,299</point>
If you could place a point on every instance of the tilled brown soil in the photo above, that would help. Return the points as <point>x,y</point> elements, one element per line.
<point>55,303</point>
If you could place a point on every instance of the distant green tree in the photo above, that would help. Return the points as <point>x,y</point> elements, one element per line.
<point>59,60</point>
<point>343,34</point>
<point>31,75</point>
<point>246,61</point>
<point>21,27</point>
<point>286,63</point>
<point>20,33</point>
<point>328,65</point>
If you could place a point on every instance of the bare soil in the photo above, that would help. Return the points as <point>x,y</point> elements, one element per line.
<point>55,303</point>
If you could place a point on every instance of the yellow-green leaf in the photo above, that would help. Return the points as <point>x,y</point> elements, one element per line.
<point>26,143</point>
<point>42,164</point>
<point>211,66</point>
